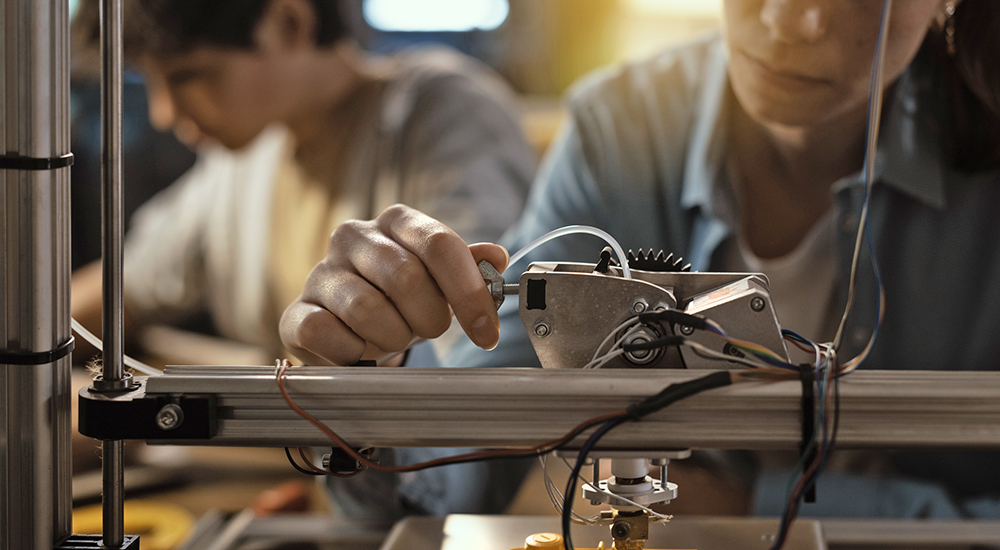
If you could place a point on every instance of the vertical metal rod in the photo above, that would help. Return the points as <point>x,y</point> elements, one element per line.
<point>35,461</point>
<point>111,189</point>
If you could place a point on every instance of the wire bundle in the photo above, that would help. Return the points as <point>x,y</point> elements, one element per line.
<point>764,364</point>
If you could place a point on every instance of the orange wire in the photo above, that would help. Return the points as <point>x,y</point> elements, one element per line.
<point>539,449</point>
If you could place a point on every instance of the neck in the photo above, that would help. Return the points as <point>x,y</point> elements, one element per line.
<point>802,159</point>
<point>785,176</point>
<point>334,73</point>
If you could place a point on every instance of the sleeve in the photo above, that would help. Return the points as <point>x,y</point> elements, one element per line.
<point>463,160</point>
<point>463,157</point>
<point>164,254</point>
<point>564,193</point>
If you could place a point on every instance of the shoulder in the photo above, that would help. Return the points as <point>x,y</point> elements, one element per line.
<point>669,83</point>
<point>443,80</point>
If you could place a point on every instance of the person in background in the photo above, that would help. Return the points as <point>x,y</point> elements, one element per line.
<point>742,152</point>
<point>297,131</point>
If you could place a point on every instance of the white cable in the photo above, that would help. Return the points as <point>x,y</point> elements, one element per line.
<point>598,363</point>
<point>709,353</point>
<point>614,351</point>
<point>626,324</point>
<point>557,501</point>
<point>574,229</point>
<point>96,342</point>
<point>874,120</point>
<point>619,497</point>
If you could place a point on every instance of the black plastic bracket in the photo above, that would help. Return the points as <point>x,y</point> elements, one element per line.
<point>95,542</point>
<point>12,162</point>
<point>37,357</point>
<point>135,415</point>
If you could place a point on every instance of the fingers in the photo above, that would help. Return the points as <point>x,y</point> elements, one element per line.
<point>388,281</point>
<point>448,260</point>
<point>407,284</point>
<point>493,253</point>
<point>317,337</point>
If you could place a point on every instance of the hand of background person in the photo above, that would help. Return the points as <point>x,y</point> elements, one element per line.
<point>387,281</point>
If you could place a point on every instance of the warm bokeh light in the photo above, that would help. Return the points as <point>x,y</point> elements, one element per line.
<point>435,15</point>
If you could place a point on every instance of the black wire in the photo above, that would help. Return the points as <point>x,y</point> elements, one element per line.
<point>669,395</point>
<point>567,511</point>
<point>788,516</point>
<point>297,467</point>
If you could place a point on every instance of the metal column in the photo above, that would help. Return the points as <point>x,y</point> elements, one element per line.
<point>113,378</point>
<point>35,459</point>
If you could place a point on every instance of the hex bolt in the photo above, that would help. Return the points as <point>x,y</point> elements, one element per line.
<point>542,329</point>
<point>621,530</point>
<point>639,306</point>
<point>169,417</point>
<point>757,304</point>
<point>686,330</point>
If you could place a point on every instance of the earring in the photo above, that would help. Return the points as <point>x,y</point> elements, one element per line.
<point>949,27</point>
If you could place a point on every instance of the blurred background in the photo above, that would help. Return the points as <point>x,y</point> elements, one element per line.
<point>540,46</point>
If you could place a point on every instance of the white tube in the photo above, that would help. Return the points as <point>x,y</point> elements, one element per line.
<point>574,229</point>
<point>96,342</point>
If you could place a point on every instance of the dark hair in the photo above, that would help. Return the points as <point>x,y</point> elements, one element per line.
<point>974,84</point>
<point>170,27</point>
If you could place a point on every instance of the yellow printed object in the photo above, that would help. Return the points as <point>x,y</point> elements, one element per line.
<point>160,526</point>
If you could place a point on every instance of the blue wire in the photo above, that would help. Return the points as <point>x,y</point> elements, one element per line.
<point>786,516</point>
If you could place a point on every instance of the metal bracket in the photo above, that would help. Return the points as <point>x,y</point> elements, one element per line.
<point>95,542</point>
<point>134,415</point>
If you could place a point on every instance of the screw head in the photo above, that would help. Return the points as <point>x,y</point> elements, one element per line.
<point>757,304</point>
<point>621,530</point>
<point>639,306</point>
<point>686,330</point>
<point>542,329</point>
<point>169,417</point>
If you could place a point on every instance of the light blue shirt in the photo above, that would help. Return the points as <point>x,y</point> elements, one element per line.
<point>642,156</point>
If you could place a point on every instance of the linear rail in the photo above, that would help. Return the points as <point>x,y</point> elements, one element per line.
<point>492,407</point>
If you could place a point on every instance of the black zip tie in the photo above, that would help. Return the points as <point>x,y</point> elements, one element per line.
<point>11,162</point>
<point>37,357</point>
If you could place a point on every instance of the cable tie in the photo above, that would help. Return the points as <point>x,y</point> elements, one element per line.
<point>38,357</point>
<point>16,162</point>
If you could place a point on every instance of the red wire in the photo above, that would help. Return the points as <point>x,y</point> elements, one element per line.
<point>540,449</point>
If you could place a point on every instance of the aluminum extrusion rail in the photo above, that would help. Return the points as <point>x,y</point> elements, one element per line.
<point>489,407</point>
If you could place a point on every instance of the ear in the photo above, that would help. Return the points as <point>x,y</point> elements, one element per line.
<point>287,24</point>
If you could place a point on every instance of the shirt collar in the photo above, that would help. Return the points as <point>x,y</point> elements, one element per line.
<point>909,156</point>
<point>706,148</point>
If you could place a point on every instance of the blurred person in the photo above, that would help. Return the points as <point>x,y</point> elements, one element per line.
<point>297,131</point>
<point>741,152</point>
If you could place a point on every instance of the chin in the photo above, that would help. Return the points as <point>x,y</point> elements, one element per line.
<point>790,110</point>
<point>236,142</point>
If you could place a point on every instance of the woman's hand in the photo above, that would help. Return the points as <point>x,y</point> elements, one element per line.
<point>387,282</point>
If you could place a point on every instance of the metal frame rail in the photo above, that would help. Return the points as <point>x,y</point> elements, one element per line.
<point>491,407</point>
